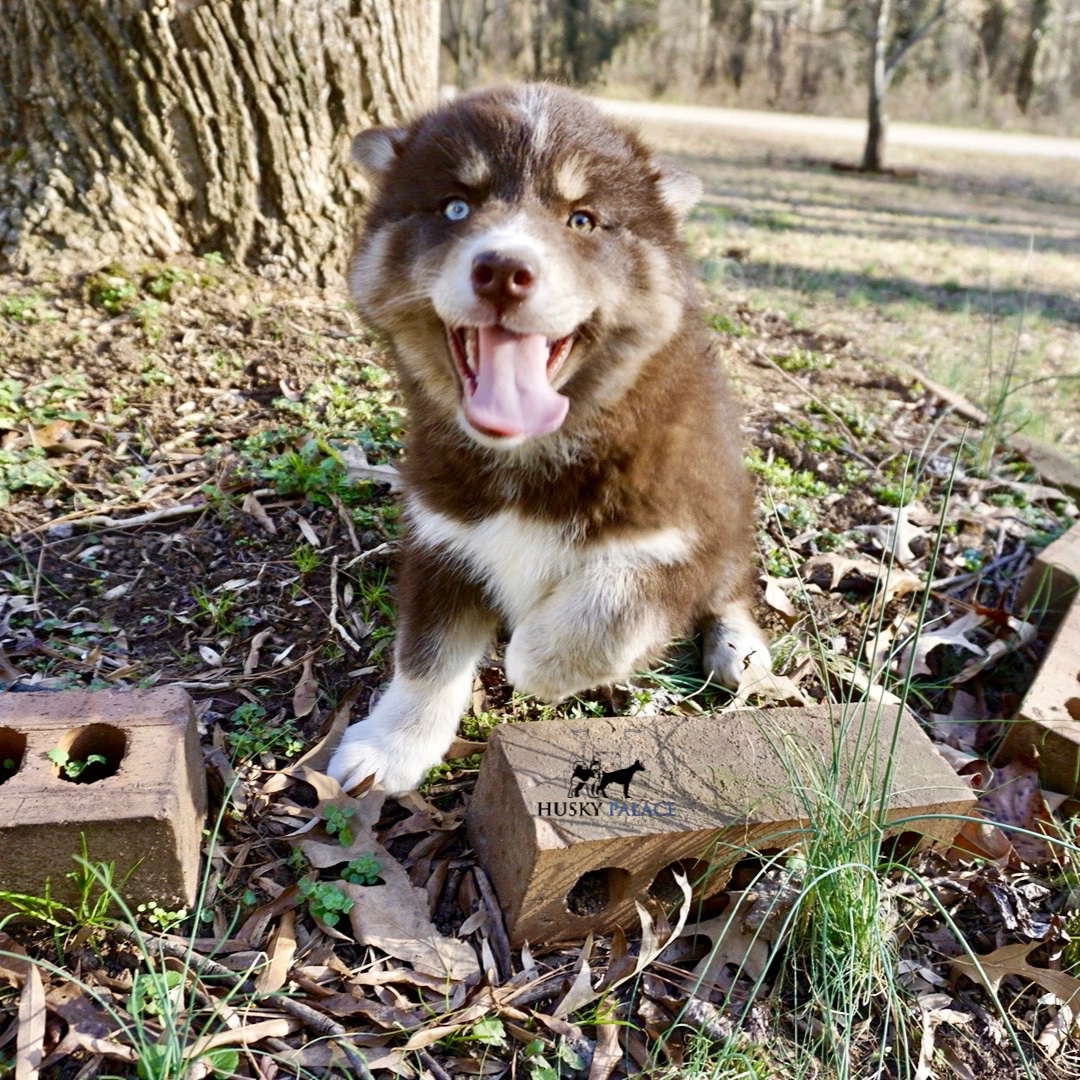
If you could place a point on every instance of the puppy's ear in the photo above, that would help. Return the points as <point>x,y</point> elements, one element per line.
<point>375,149</point>
<point>680,190</point>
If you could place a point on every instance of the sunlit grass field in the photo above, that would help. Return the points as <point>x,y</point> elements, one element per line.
<point>964,265</point>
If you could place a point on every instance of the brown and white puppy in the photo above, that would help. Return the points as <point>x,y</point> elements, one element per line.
<point>574,466</point>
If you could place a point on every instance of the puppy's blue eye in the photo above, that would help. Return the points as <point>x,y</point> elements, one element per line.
<point>456,210</point>
<point>581,221</point>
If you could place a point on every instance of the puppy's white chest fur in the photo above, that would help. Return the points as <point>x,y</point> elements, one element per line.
<point>520,560</point>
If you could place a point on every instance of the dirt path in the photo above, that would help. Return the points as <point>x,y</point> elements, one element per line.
<point>832,128</point>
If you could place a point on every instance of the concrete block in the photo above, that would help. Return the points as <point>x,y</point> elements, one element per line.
<point>573,823</point>
<point>1049,718</point>
<point>142,810</point>
<point>1053,580</point>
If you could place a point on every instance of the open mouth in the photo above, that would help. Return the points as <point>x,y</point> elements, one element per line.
<point>507,377</point>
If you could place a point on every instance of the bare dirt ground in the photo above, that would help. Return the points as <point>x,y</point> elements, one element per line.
<point>194,489</point>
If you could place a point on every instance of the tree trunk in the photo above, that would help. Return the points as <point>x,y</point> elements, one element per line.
<point>1038,21</point>
<point>878,85</point>
<point>164,126</point>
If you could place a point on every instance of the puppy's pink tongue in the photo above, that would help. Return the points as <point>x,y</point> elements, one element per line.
<point>513,395</point>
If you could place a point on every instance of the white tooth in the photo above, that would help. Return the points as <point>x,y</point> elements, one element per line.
<point>472,338</point>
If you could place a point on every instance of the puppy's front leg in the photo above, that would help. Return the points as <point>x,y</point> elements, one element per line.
<point>444,626</point>
<point>592,629</point>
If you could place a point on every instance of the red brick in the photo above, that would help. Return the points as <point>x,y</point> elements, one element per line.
<point>146,818</point>
<point>1053,580</point>
<point>1049,718</point>
<point>722,776</point>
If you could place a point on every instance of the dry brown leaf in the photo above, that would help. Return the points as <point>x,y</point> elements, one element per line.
<point>257,642</point>
<point>1012,960</point>
<point>935,1009</point>
<point>307,689</point>
<point>608,1052</point>
<point>281,951</point>
<point>955,634</point>
<point>1025,634</point>
<point>777,599</point>
<point>30,1040</point>
<point>985,840</point>
<point>649,950</point>
<point>210,656</point>
<point>394,916</point>
<point>252,506</point>
<point>895,537</point>
<point>461,748</point>
<point>1014,800</point>
<point>746,947</point>
<point>309,533</point>
<point>246,1035</point>
<point>759,681</point>
<point>831,568</point>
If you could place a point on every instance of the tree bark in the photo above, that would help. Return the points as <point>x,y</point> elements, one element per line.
<point>1038,20</point>
<point>165,126</point>
<point>878,85</point>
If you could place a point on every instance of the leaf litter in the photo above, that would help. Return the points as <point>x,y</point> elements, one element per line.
<point>213,508</point>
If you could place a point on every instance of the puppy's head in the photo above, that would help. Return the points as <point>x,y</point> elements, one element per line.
<point>523,253</point>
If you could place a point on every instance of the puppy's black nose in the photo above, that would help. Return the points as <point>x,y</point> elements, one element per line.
<point>502,278</point>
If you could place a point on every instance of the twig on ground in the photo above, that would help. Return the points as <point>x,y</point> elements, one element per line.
<point>342,632</point>
<point>104,521</point>
<point>958,579</point>
<point>434,1067</point>
<point>387,548</point>
<point>499,941</point>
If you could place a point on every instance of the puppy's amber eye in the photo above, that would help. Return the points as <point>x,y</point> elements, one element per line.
<point>455,209</point>
<point>581,221</point>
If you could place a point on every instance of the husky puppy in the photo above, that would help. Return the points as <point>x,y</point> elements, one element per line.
<point>574,469</point>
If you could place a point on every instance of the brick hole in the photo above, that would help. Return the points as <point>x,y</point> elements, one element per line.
<point>103,739</point>
<point>665,890</point>
<point>896,848</point>
<point>746,872</point>
<point>1072,706</point>
<point>597,890</point>
<point>12,751</point>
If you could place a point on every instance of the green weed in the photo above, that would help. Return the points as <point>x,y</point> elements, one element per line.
<point>71,767</point>
<point>257,735</point>
<point>325,901</point>
<point>111,290</point>
<point>363,871</point>
<point>336,822</point>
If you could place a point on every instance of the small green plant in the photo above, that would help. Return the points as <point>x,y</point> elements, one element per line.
<point>23,308</point>
<point>256,734</point>
<point>163,282</point>
<point>336,821</point>
<point>111,291</point>
<point>324,900</point>
<point>217,609</point>
<point>214,258</point>
<point>71,767</point>
<point>306,559</point>
<point>161,918</point>
<point>363,871</point>
<point>95,893</point>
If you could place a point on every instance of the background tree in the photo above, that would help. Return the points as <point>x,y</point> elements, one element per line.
<point>891,34</point>
<point>164,126</point>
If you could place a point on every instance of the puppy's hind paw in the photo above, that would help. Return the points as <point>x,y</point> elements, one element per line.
<point>397,768</point>
<point>735,650</point>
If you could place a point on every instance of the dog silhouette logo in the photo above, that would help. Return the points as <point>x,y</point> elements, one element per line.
<point>593,779</point>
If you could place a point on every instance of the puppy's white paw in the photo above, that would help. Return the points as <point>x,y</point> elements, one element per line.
<point>407,733</point>
<point>733,649</point>
<point>398,768</point>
